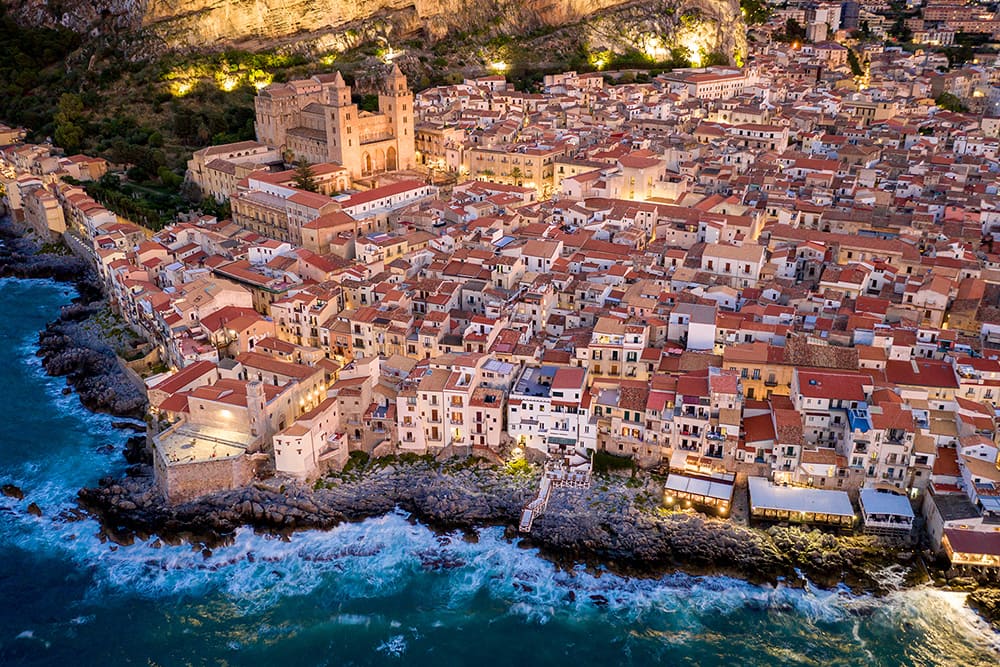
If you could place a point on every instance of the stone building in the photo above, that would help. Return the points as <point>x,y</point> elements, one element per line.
<point>315,119</point>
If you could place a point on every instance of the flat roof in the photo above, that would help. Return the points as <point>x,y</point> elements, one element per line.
<point>973,541</point>
<point>700,486</point>
<point>874,501</point>
<point>765,495</point>
<point>190,443</point>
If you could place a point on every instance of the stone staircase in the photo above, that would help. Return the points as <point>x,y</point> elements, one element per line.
<point>571,472</point>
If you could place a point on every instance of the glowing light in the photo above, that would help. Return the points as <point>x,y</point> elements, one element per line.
<point>695,43</point>
<point>328,59</point>
<point>655,49</point>
<point>180,88</point>
<point>228,83</point>
<point>390,54</point>
<point>499,66</point>
<point>600,59</point>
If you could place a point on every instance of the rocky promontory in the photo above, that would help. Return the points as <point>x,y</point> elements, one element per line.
<point>616,522</point>
<point>22,257</point>
<point>70,347</point>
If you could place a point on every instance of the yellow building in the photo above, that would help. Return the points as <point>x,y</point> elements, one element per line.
<point>761,367</point>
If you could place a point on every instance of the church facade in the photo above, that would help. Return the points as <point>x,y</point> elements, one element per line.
<point>315,119</point>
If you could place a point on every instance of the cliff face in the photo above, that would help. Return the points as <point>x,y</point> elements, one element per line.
<point>206,22</point>
<point>336,23</point>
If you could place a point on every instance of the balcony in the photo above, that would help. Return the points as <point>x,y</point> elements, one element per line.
<point>894,437</point>
<point>770,382</point>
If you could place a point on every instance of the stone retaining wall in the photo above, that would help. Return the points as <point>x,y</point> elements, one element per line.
<point>184,482</point>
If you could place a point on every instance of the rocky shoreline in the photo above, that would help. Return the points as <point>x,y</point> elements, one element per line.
<point>613,524</point>
<point>986,602</point>
<point>69,346</point>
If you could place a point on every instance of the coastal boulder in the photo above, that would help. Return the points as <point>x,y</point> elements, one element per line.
<point>12,491</point>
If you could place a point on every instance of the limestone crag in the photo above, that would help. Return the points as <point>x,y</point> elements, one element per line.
<point>334,23</point>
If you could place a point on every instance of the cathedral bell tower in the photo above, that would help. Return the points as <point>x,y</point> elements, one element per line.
<point>342,137</point>
<point>396,102</point>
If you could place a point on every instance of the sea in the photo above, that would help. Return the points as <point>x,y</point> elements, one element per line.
<point>386,591</point>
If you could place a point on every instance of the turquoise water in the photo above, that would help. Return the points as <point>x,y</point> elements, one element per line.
<point>382,592</point>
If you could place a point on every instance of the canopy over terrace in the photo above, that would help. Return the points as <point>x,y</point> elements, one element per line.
<point>803,505</point>
<point>702,490</point>
<point>885,513</point>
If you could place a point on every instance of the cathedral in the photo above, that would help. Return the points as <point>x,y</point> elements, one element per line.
<point>315,119</point>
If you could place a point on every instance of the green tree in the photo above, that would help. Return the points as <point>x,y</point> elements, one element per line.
<point>950,102</point>
<point>900,32</point>
<point>70,108</point>
<point>69,113</point>
<point>69,136</point>
<point>959,55</point>
<point>794,31</point>
<point>304,177</point>
<point>168,177</point>
<point>755,11</point>
<point>852,60</point>
<point>714,58</point>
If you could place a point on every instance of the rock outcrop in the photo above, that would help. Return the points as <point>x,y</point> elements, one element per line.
<point>202,24</point>
<point>70,349</point>
<point>986,602</point>
<point>71,346</point>
<point>612,524</point>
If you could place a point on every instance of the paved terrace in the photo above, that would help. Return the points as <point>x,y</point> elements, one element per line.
<point>191,443</point>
